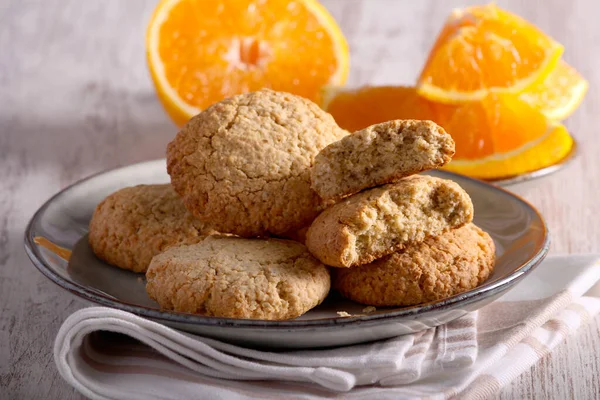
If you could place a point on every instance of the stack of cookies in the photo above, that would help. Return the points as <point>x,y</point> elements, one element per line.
<point>396,238</point>
<point>255,169</point>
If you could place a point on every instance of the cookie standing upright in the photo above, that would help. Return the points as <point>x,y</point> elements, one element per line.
<point>239,278</point>
<point>379,221</point>
<point>132,225</point>
<point>436,268</point>
<point>382,153</point>
<point>244,163</point>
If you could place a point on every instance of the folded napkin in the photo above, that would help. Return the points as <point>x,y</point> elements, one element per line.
<point>111,354</point>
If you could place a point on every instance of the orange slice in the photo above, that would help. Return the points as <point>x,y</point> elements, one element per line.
<point>200,52</point>
<point>356,109</point>
<point>494,126</point>
<point>497,137</point>
<point>502,136</point>
<point>559,94</point>
<point>547,150</point>
<point>485,49</point>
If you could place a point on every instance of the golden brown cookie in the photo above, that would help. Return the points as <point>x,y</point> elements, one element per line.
<point>439,267</point>
<point>374,223</point>
<point>244,163</point>
<point>382,153</point>
<point>134,224</point>
<point>238,278</point>
<point>298,235</point>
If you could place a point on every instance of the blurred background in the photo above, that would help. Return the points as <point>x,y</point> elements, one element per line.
<point>76,95</point>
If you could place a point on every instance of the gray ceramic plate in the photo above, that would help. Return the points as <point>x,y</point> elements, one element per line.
<point>518,230</point>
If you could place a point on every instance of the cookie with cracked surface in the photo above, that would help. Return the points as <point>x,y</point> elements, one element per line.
<point>382,153</point>
<point>244,163</point>
<point>132,225</point>
<point>437,268</point>
<point>232,277</point>
<point>376,222</point>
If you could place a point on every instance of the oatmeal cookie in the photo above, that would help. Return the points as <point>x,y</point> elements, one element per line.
<point>298,235</point>
<point>374,223</point>
<point>134,224</point>
<point>238,278</point>
<point>439,267</point>
<point>243,164</point>
<point>382,153</point>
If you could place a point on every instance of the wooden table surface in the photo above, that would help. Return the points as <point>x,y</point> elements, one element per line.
<point>76,98</point>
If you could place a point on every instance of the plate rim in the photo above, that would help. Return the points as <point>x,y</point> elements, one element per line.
<point>465,298</point>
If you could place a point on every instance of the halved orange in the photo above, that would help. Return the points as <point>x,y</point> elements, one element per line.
<point>496,137</point>
<point>200,52</point>
<point>559,94</point>
<point>485,49</point>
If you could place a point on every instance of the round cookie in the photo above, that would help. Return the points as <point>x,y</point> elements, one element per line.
<point>238,278</point>
<point>244,163</point>
<point>134,224</point>
<point>379,221</point>
<point>439,267</point>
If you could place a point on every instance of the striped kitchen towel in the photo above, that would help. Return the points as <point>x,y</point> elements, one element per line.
<point>111,354</point>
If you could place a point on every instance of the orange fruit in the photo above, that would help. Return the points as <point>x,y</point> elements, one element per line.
<point>200,52</point>
<point>356,109</point>
<point>559,94</point>
<point>552,147</point>
<point>496,125</point>
<point>496,137</point>
<point>485,49</point>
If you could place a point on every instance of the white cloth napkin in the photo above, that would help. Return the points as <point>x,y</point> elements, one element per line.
<point>111,354</point>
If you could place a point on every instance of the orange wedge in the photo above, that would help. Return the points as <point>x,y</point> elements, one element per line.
<point>547,150</point>
<point>559,94</point>
<point>356,109</point>
<point>485,49</point>
<point>502,136</point>
<point>200,52</point>
<point>497,137</point>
